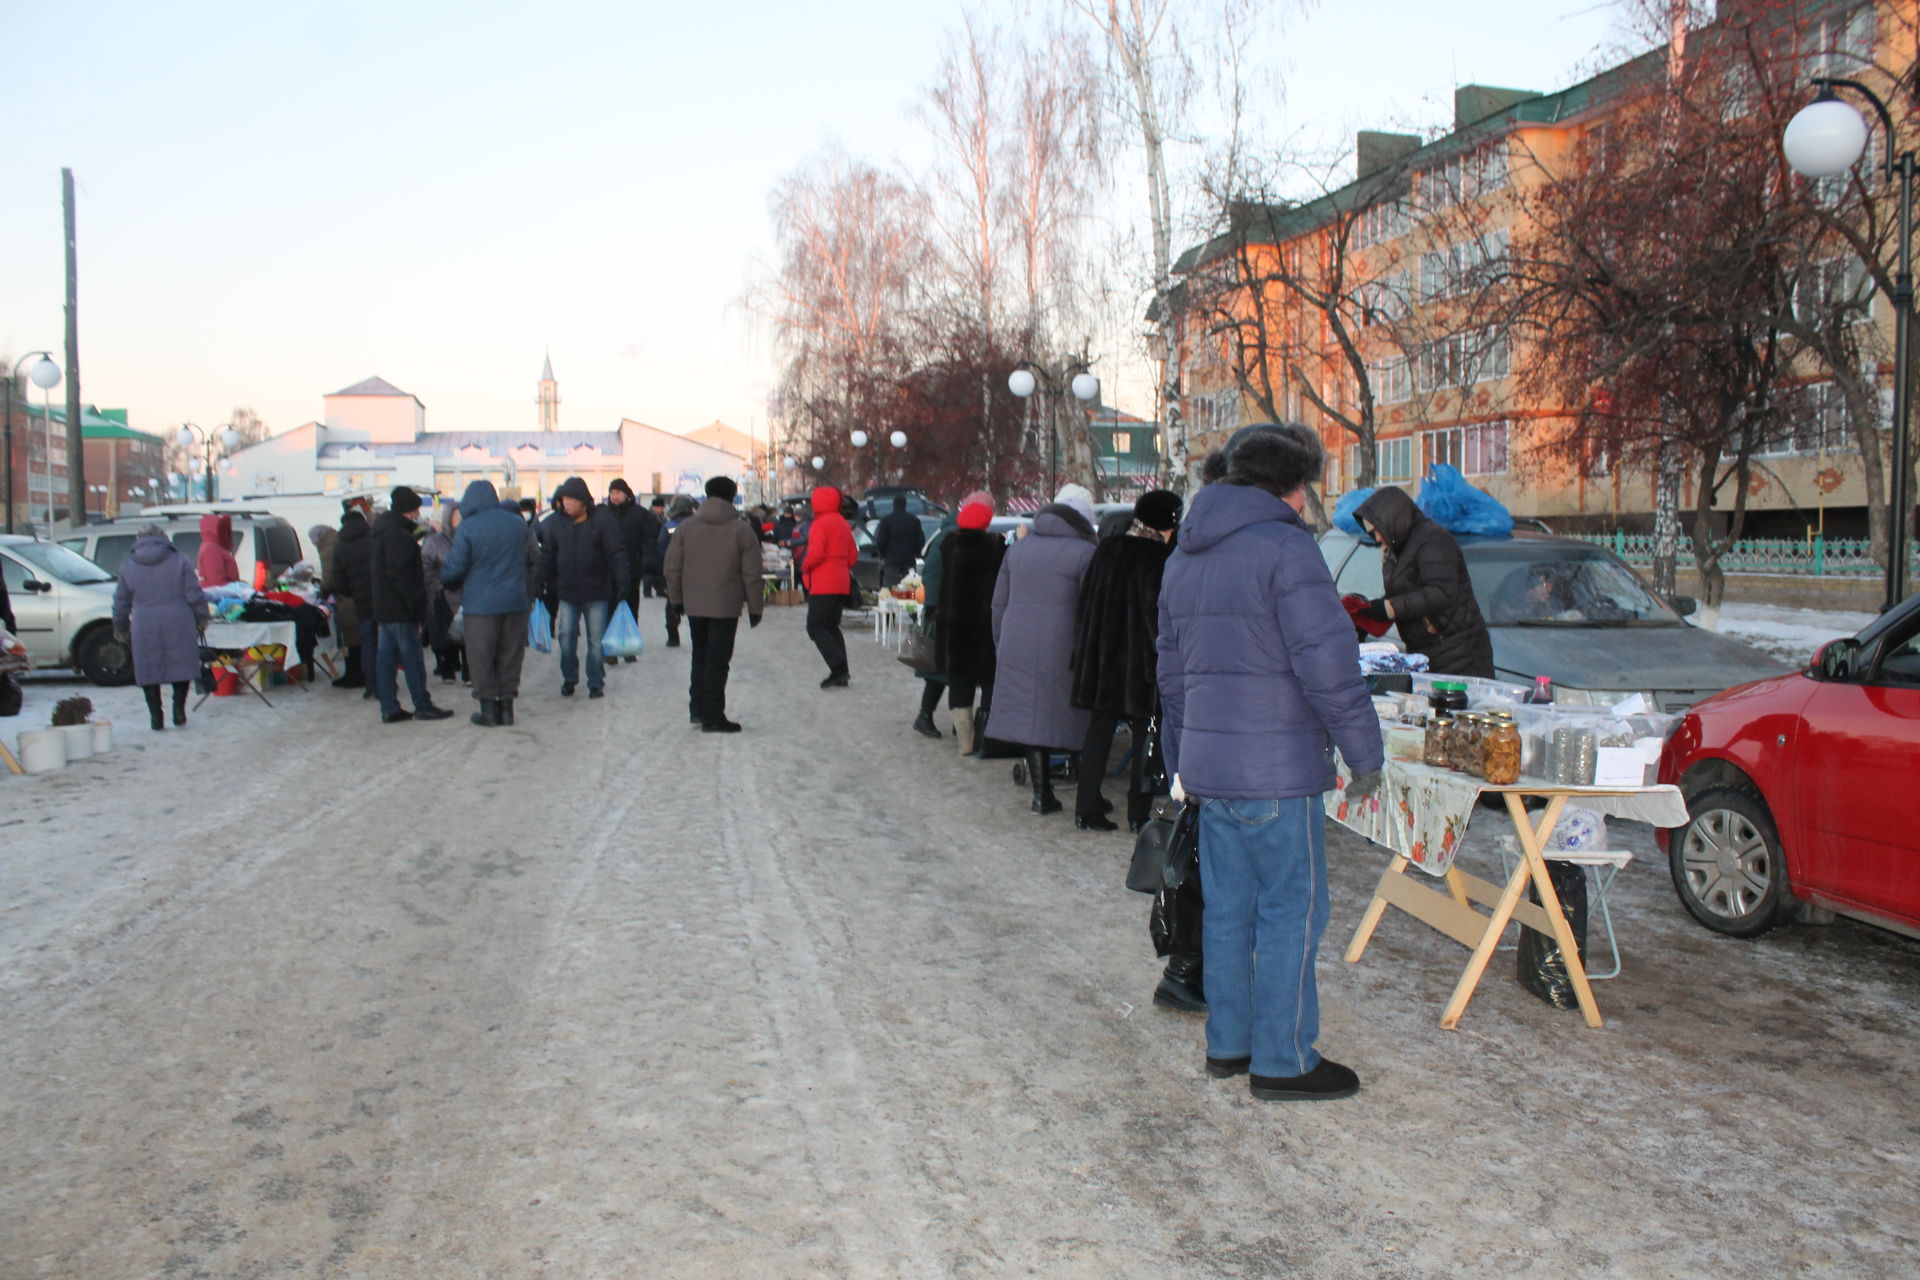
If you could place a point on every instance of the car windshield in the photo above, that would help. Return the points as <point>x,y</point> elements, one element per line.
<point>60,563</point>
<point>1531,584</point>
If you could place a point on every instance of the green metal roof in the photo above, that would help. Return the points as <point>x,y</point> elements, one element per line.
<point>97,424</point>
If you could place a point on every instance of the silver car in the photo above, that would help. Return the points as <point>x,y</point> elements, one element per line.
<point>64,605</point>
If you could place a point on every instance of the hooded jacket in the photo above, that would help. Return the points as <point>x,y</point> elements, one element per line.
<point>1117,627</point>
<point>1428,587</point>
<point>828,568</point>
<point>494,556</point>
<point>353,565</point>
<point>216,563</point>
<point>159,602</point>
<point>584,560</point>
<point>399,579</point>
<point>713,564</point>
<point>639,530</point>
<point>1034,599</point>
<point>899,537</point>
<point>1259,671</point>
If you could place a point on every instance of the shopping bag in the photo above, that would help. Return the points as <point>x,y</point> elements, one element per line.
<point>917,650</point>
<point>457,627</point>
<point>622,636</point>
<point>1343,517</point>
<point>1452,503</point>
<point>540,628</point>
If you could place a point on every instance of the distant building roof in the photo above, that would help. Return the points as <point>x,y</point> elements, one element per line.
<point>96,425</point>
<point>546,370</point>
<point>374,386</point>
<point>498,444</point>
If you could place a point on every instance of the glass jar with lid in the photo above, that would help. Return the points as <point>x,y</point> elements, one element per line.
<point>1501,755</point>
<point>1460,744</point>
<point>1436,750</point>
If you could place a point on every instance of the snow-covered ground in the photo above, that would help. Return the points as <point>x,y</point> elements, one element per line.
<point>1788,634</point>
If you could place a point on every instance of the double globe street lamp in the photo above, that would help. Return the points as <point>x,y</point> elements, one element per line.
<point>1824,140</point>
<point>1028,377</point>
<point>45,375</point>
<point>227,438</point>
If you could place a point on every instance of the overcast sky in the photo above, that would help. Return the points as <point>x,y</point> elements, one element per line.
<point>277,200</point>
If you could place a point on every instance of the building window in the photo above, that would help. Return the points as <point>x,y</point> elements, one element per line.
<point>1460,359</point>
<point>1446,445</point>
<point>1834,285</point>
<point>1389,380</point>
<point>1466,175</point>
<point>333,482</point>
<point>1842,44</point>
<point>1122,443</point>
<point>1486,449</point>
<point>1380,223</point>
<point>1393,459</point>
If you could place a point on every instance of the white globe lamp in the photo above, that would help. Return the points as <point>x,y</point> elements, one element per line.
<point>230,438</point>
<point>898,439</point>
<point>859,439</point>
<point>184,437</point>
<point>819,463</point>
<point>45,374</point>
<point>1825,139</point>
<point>1021,383</point>
<point>1086,386</point>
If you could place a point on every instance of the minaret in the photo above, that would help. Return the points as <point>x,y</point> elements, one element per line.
<point>549,400</point>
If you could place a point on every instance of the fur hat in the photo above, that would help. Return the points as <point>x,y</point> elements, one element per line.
<point>1080,498</point>
<point>403,499</point>
<point>1158,509</point>
<point>722,487</point>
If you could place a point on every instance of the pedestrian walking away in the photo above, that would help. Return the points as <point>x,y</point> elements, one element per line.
<point>713,572</point>
<point>443,602</point>
<point>1427,591</point>
<point>827,576</point>
<point>933,684</point>
<point>1259,680</point>
<point>970,559</point>
<point>353,584</point>
<point>653,581</point>
<point>637,530</point>
<point>1034,605</point>
<point>898,540</point>
<point>160,611</point>
<point>494,561</point>
<point>683,509</point>
<point>582,556</point>
<point>400,609</point>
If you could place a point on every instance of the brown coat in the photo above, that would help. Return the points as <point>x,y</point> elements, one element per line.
<point>713,564</point>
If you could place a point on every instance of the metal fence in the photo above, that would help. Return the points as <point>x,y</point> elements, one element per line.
<point>1818,556</point>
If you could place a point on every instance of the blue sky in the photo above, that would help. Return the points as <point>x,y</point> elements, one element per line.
<point>277,200</point>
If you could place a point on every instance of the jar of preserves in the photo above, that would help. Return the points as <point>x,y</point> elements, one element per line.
<point>1436,750</point>
<point>1502,755</point>
<point>1460,745</point>
<point>1448,697</point>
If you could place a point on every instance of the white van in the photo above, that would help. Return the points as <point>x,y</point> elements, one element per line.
<point>64,605</point>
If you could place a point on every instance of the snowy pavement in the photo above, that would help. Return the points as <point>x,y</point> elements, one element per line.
<point>292,992</point>
<point>1786,633</point>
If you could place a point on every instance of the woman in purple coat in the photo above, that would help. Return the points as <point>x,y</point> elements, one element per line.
<point>160,610</point>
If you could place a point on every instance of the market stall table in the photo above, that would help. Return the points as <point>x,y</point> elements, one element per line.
<point>1421,813</point>
<point>891,617</point>
<point>241,645</point>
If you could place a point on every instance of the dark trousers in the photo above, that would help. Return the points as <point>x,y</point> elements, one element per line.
<point>1093,766</point>
<point>960,694</point>
<point>400,653</point>
<point>496,647</point>
<point>823,628</point>
<point>712,660</point>
<point>673,623</point>
<point>653,584</point>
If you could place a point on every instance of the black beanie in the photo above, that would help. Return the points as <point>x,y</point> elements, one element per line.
<point>403,500</point>
<point>622,486</point>
<point>1158,509</point>
<point>723,488</point>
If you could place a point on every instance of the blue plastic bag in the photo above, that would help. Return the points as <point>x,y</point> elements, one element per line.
<point>1452,503</point>
<point>1343,517</point>
<point>622,636</point>
<point>540,628</point>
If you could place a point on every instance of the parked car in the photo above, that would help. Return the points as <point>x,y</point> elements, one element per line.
<point>878,501</point>
<point>64,605</point>
<point>1801,789</point>
<point>257,538</point>
<point>868,569</point>
<point>1575,612</point>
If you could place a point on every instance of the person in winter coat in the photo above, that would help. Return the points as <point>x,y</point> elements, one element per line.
<point>681,512</point>
<point>493,562</point>
<point>652,565</point>
<point>352,584</point>
<point>216,563</point>
<point>933,684</point>
<point>1259,682</point>
<point>400,610</point>
<point>632,520</point>
<point>449,655</point>
<point>970,559</point>
<point>160,610</point>
<point>1114,654</point>
<point>583,555</point>
<point>1034,601</point>
<point>898,540</point>
<point>827,575</point>
<point>345,622</point>
<point>1427,591</point>
<point>713,571</point>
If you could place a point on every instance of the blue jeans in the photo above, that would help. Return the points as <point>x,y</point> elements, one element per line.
<point>568,620</point>
<point>1264,863</point>
<point>399,647</point>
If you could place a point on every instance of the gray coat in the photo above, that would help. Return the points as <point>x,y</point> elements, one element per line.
<point>160,602</point>
<point>1034,605</point>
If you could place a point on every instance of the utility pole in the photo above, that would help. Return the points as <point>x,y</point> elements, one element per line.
<point>76,439</point>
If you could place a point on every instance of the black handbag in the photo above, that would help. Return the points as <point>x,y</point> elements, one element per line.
<point>917,650</point>
<point>1167,847</point>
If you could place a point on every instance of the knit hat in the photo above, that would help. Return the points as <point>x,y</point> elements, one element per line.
<point>622,486</point>
<point>403,499</point>
<point>975,515</point>
<point>1080,498</point>
<point>722,487</point>
<point>1158,509</point>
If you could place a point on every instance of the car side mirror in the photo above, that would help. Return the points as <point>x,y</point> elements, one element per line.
<point>1685,606</point>
<point>1835,659</point>
<point>34,584</point>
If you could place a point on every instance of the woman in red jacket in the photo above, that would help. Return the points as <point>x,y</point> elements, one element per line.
<point>215,561</point>
<point>827,575</point>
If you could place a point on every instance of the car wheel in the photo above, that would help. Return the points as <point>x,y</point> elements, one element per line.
<point>1727,865</point>
<point>104,659</point>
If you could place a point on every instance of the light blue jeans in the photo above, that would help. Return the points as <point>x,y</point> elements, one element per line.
<point>569,619</point>
<point>1264,863</point>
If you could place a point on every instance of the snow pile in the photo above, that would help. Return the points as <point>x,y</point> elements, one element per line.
<point>1789,634</point>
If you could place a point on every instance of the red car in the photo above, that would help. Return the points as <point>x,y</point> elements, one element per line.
<point>1806,787</point>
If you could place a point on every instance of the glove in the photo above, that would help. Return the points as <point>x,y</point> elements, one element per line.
<point>1178,792</point>
<point>1363,786</point>
<point>123,635</point>
<point>753,620</point>
<point>1373,611</point>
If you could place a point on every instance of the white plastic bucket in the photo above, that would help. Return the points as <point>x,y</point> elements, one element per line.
<point>43,750</point>
<point>102,736</point>
<point>79,741</point>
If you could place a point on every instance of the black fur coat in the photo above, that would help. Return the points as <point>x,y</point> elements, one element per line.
<point>1114,654</point>
<point>963,619</point>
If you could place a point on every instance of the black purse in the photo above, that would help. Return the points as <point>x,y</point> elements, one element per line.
<point>1168,846</point>
<point>917,650</point>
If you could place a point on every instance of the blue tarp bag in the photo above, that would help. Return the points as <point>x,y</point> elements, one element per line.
<point>1343,517</point>
<point>1457,506</point>
<point>540,628</point>
<point>622,637</point>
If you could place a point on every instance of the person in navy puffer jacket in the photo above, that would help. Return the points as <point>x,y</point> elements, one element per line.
<point>494,561</point>
<point>1260,680</point>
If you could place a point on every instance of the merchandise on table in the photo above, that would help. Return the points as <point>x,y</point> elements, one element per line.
<point>1502,757</point>
<point>1437,751</point>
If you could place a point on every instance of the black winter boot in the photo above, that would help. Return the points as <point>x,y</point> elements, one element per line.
<point>154,715</point>
<point>179,703</point>
<point>505,706</point>
<point>1043,801</point>
<point>488,716</point>
<point>1181,986</point>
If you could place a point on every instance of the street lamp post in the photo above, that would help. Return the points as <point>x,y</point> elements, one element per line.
<point>46,376</point>
<point>1825,139</point>
<point>227,438</point>
<point>1023,382</point>
<point>860,440</point>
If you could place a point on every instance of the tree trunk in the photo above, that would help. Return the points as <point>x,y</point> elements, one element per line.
<point>1666,516</point>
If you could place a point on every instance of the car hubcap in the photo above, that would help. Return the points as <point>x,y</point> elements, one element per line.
<point>1726,862</point>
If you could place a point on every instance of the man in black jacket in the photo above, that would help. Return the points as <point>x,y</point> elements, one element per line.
<point>898,540</point>
<point>353,581</point>
<point>636,525</point>
<point>400,607</point>
<point>650,567</point>
<point>581,554</point>
<point>1427,590</point>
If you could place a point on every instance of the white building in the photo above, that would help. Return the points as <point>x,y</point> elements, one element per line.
<point>372,436</point>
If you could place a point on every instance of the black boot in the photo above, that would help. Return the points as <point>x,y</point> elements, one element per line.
<point>1181,986</point>
<point>929,699</point>
<point>179,703</point>
<point>154,715</point>
<point>1043,801</point>
<point>488,716</point>
<point>505,706</point>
